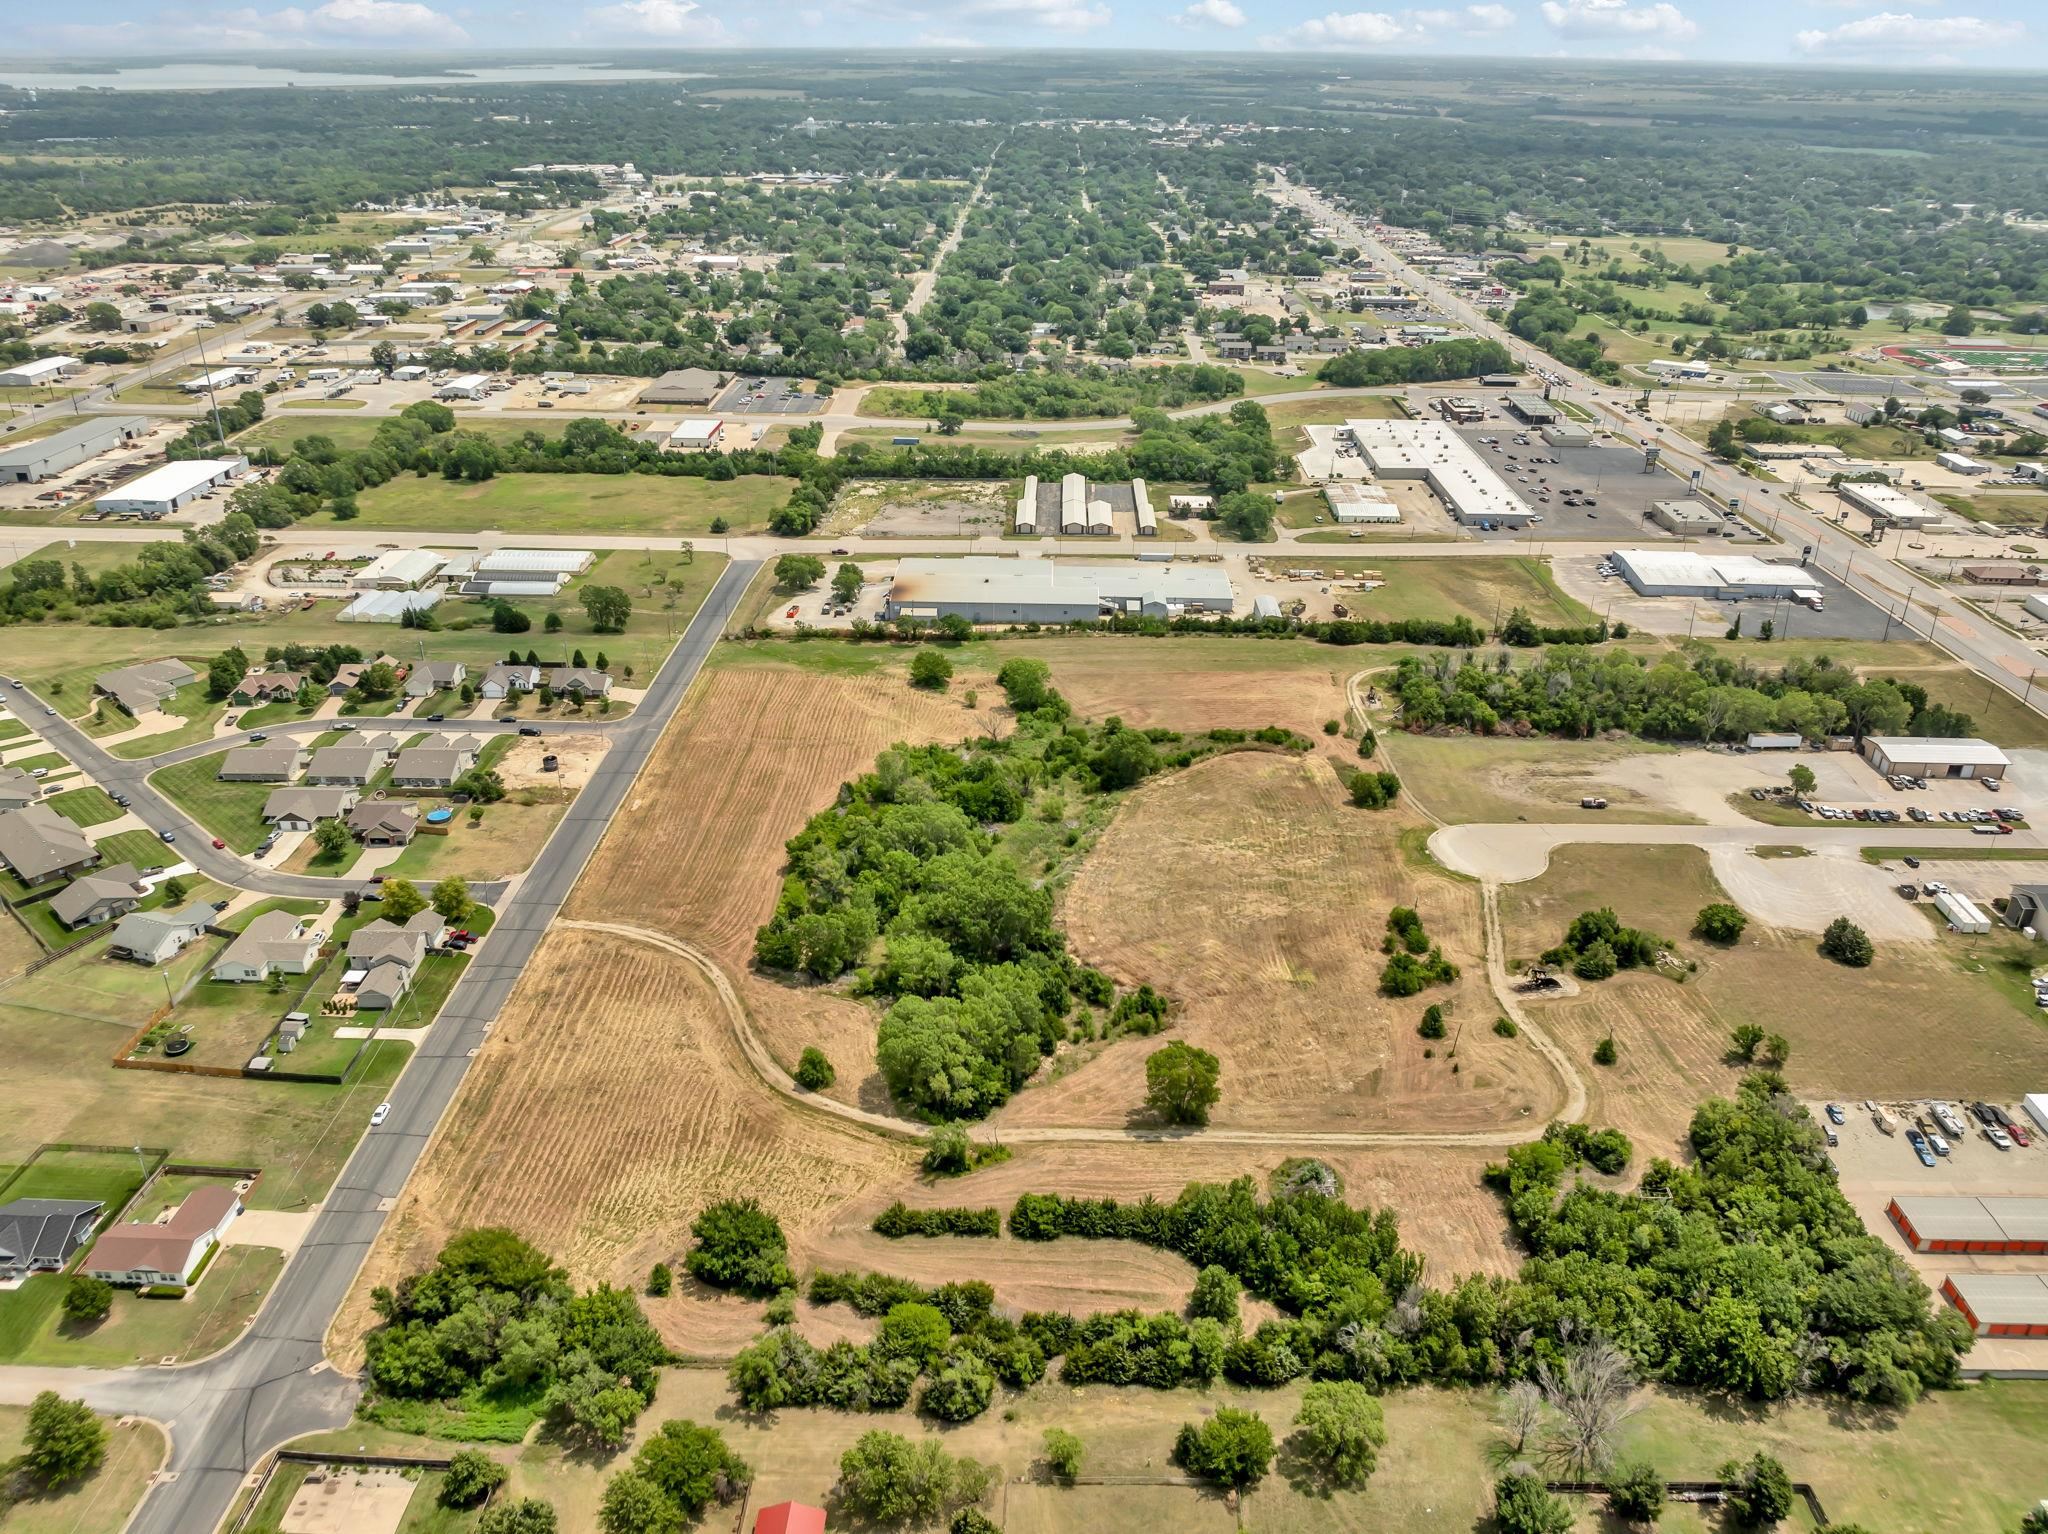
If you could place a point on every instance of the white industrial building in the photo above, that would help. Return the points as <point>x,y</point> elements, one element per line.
<point>468,386</point>
<point>397,570</point>
<point>1931,756</point>
<point>1445,461</point>
<point>1688,519</point>
<point>218,379</point>
<point>27,463</point>
<point>1351,503</point>
<point>168,486</point>
<point>1025,522</point>
<point>1678,367</point>
<point>698,434</point>
<point>1715,577</point>
<point>1960,463</point>
<point>1141,508</point>
<point>535,562</point>
<point>388,606</point>
<point>39,371</point>
<point>1890,506</point>
<point>985,589</point>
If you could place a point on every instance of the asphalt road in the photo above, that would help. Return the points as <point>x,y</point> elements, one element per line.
<point>274,1383</point>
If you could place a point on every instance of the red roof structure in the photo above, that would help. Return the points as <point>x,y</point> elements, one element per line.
<point>790,1518</point>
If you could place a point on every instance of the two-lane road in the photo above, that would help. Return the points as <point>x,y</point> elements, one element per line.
<point>274,1384</point>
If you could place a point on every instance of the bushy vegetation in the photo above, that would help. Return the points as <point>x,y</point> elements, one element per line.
<point>163,587</point>
<point>679,1471</point>
<point>1596,945</point>
<point>1720,922</point>
<point>739,1245</point>
<point>1232,1448</point>
<point>1847,943</point>
<point>1414,963</point>
<point>1577,691</point>
<point>495,1324</point>
<point>901,1220</point>
<point>887,1478</point>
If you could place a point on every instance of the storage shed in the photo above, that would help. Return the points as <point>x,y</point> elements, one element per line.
<point>2000,1304</point>
<point>2001,1226</point>
<point>1921,756</point>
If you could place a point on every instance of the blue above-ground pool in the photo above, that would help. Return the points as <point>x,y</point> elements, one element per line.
<point>439,817</point>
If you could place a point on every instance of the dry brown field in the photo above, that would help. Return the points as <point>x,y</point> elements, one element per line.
<point>1198,684</point>
<point>1276,967</point>
<point>1919,1021</point>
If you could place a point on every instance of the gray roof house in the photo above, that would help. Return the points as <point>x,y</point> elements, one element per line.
<point>430,767</point>
<point>277,942</point>
<point>18,789</point>
<point>145,687</point>
<point>39,844</point>
<point>151,937</point>
<point>296,809</point>
<point>430,677</point>
<point>390,956</point>
<point>38,1235</point>
<point>354,765</point>
<point>383,742</point>
<point>96,897</point>
<point>382,823</point>
<point>583,679</point>
<point>263,764</point>
<point>503,678</point>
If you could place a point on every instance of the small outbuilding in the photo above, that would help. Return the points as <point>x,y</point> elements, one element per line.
<point>1921,756</point>
<point>2000,1304</point>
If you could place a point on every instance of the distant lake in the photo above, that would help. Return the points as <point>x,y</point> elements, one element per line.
<point>200,76</point>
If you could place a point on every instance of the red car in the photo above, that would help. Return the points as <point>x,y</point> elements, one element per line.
<point>219,843</point>
<point>791,613</point>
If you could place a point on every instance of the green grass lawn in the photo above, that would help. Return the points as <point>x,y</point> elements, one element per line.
<point>99,1504</point>
<point>145,849</point>
<point>231,811</point>
<point>275,713</point>
<point>572,503</point>
<point>354,435</point>
<point>85,806</point>
<point>1482,589</point>
<point>44,759</point>
<point>146,1331</point>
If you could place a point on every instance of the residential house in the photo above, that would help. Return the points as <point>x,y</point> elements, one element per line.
<point>503,679</point>
<point>18,789</point>
<point>383,823</point>
<point>146,687</point>
<point>350,766</point>
<point>385,957</point>
<point>274,943</point>
<point>93,898</point>
<point>430,767</point>
<point>38,844</point>
<point>268,687</point>
<point>38,1235</point>
<point>300,809</point>
<point>580,679</point>
<point>385,743</point>
<point>165,1251</point>
<point>348,675</point>
<point>152,937</point>
<point>263,764</point>
<point>430,677</point>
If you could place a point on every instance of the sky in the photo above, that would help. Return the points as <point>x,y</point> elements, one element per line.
<point>2001,34</point>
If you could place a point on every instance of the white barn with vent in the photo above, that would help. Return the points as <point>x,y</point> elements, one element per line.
<point>169,486</point>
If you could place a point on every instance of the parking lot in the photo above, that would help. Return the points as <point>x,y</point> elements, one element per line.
<point>1844,614</point>
<point>1612,476</point>
<point>766,396</point>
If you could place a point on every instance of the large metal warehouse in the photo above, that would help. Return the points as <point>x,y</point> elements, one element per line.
<point>168,486</point>
<point>29,462</point>
<point>1445,461</point>
<point>986,589</point>
<point>1922,756</point>
<point>1715,577</point>
<point>2004,1226</point>
<point>2000,1304</point>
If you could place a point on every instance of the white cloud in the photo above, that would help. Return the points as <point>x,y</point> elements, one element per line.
<point>1472,20</point>
<point>1891,32</point>
<point>1060,15</point>
<point>1618,18</point>
<point>1216,13</point>
<point>1380,29</point>
<point>651,18</point>
<point>947,40</point>
<point>356,21</point>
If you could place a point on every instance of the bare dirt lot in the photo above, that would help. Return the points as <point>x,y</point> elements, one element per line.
<point>921,509</point>
<point>349,1502</point>
<point>1952,1013</point>
<point>577,757</point>
<point>1280,976</point>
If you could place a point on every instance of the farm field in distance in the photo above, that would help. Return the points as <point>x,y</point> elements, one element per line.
<point>616,504</point>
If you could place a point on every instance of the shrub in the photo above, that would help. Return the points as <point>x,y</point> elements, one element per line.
<point>529,1515</point>
<point>1215,1295</point>
<point>1332,727</point>
<point>1064,1452</point>
<point>677,1473</point>
<point>814,1072</point>
<point>1233,1448</point>
<point>961,1390</point>
<point>931,670</point>
<point>1521,1505</point>
<point>1847,943</point>
<point>740,1246</point>
<point>1432,1024</point>
<point>1719,922</point>
<point>1505,1027</point>
<point>1181,1083</point>
<point>87,1299</point>
<point>948,1152</point>
<point>1374,790</point>
<point>1342,1430</point>
<point>887,1478</point>
<point>900,1220</point>
<point>472,1475</point>
<point>972,1520</point>
<point>1759,1493</point>
<point>65,1441</point>
<point>1596,963</point>
<point>661,1282</point>
<point>1604,1053</point>
<point>1635,1491</point>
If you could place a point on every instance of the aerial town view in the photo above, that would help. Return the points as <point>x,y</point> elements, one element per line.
<point>1036,766</point>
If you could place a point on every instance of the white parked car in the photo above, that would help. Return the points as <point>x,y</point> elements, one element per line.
<point>383,1112</point>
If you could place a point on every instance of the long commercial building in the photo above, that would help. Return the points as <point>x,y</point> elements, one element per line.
<point>38,372</point>
<point>1445,461</point>
<point>2000,1304</point>
<point>29,462</point>
<point>1890,506</point>
<point>984,589</point>
<point>1934,756</point>
<point>1712,577</point>
<point>1997,1226</point>
<point>168,486</point>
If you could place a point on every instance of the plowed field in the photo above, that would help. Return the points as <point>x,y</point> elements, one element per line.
<point>1250,891</point>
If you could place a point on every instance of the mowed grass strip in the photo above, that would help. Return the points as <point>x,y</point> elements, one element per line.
<point>574,503</point>
<point>85,806</point>
<point>231,811</point>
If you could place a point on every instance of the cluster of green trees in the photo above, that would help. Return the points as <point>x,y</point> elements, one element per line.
<point>1414,961</point>
<point>164,587</point>
<point>901,1220</point>
<point>1437,361</point>
<point>1577,691</point>
<point>1084,391</point>
<point>681,1469</point>
<point>1596,944</point>
<point>495,1322</point>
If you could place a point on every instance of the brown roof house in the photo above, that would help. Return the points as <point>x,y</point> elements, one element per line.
<point>38,844</point>
<point>347,766</point>
<point>18,789</point>
<point>268,687</point>
<point>92,898</point>
<point>298,809</point>
<point>166,1251</point>
<point>146,687</point>
<point>275,943</point>
<point>381,823</point>
<point>263,764</point>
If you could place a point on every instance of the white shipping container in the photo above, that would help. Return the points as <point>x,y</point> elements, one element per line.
<point>2036,1105</point>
